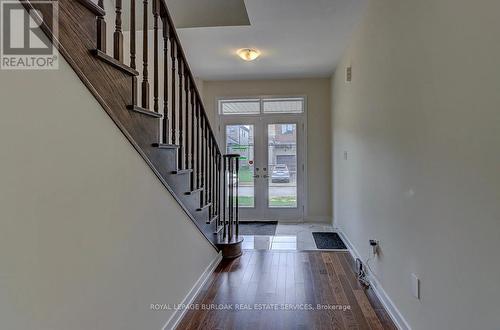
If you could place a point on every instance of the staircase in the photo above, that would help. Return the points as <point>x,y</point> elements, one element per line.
<point>158,109</point>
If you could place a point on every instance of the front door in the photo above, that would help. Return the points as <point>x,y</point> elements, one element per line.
<point>271,185</point>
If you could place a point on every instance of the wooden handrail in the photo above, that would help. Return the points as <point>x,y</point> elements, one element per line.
<point>174,35</point>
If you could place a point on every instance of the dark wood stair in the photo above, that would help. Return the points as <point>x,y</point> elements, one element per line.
<point>173,137</point>
<point>212,219</point>
<point>117,64</point>
<point>203,207</point>
<point>144,111</point>
<point>195,191</point>
<point>230,246</point>
<point>185,171</point>
<point>165,146</point>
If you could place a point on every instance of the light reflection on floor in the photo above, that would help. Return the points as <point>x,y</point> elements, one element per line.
<point>269,242</point>
<point>288,237</point>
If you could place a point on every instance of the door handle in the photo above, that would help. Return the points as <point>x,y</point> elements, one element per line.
<point>256,176</point>
<point>265,176</point>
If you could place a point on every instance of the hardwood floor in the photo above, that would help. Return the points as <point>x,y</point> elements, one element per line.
<point>282,290</point>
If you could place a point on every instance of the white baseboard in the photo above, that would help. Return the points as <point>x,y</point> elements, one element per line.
<point>174,320</point>
<point>389,306</point>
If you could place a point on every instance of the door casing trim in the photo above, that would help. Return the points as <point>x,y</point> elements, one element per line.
<point>303,118</point>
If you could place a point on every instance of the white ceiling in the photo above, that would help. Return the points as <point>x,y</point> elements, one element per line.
<point>297,38</point>
<point>186,13</point>
<point>203,13</point>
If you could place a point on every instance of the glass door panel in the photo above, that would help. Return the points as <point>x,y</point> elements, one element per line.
<point>271,165</point>
<point>282,165</point>
<point>240,140</point>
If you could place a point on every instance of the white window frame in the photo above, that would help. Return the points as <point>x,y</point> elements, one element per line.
<point>261,100</point>
<point>225,118</point>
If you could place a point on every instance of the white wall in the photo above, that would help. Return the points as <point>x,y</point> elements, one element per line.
<point>89,237</point>
<point>421,125</point>
<point>318,128</point>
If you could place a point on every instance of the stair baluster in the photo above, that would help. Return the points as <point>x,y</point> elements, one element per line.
<point>181,115</point>
<point>202,164</point>
<point>165,132</point>
<point>214,200</point>
<point>218,174</point>
<point>145,82</point>
<point>205,158</point>
<point>193,128</point>
<point>101,29</point>
<point>118,35</point>
<point>198,145</point>
<point>236,201</point>
<point>156,13</point>
<point>231,191</point>
<point>132,34</point>
<point>224,196</point>
<point>186,117</point>
<point>210,184</point>
<point>173,54</point>
<point>132,51</point>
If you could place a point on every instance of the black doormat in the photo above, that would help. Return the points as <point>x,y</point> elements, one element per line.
<point>328,241</point>
<point>267,228</point>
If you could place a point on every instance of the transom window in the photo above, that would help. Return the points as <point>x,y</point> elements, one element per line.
<point>255,106</point>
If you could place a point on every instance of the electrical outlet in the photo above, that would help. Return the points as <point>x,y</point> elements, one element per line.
<point>348,74</point>
<point>415,286</point>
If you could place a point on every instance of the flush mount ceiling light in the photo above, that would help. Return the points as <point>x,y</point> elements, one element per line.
<point>248,54</point>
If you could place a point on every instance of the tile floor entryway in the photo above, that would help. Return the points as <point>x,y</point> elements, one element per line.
<point>289,236</point>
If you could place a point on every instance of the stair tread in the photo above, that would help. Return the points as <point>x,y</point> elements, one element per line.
<point>144,111</point>
<point>194,191</point>
<point>185,171</point>
<point>204,207</point>
<point>112,61</point>
<point>165,146</point>
<point>215,217</point>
